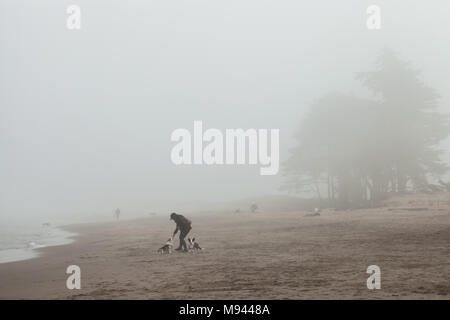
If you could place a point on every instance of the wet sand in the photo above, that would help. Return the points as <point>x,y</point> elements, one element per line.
<point>266,255</point>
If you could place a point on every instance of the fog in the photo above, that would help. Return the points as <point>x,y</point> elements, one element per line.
<point>86,115</point>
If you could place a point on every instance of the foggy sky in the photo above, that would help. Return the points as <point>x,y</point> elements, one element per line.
<point>86,116</point>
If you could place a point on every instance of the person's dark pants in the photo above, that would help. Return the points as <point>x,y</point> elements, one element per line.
<point>183,234</point>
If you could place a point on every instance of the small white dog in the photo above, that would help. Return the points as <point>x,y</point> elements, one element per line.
<point>193,245</point>
<point>167,248</point>
<point>313,214</point>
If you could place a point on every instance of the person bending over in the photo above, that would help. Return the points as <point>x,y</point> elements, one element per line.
<point>184,226</point>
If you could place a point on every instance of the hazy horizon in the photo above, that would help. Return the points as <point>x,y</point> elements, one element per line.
<point>86,116</point>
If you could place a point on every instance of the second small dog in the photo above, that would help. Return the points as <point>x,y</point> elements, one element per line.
<point>167,248</point>
<point>193,245</point>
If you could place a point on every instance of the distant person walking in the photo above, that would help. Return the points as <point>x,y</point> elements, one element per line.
<point>184,226</point>
<point>117,214</point>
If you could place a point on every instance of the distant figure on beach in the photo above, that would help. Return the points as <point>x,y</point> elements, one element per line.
<point>315,213</point>
<point>184,226</point>
<point>117,214</point>
<point>254,207</point>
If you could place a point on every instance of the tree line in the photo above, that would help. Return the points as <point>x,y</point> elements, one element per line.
<point>353,151</point>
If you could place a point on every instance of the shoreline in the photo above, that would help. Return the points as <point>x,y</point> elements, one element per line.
<point>74,232</point>
<point>44,251</point>
<point>55,236</point>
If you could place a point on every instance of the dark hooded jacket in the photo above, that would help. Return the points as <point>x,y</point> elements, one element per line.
<point>182,222</point>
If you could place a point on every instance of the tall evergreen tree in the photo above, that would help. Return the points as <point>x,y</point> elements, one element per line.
<point>358,150</point>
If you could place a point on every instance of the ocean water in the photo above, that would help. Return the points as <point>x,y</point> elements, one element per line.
<point>19,241</point>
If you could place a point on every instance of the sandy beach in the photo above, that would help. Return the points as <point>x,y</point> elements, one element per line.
<point>265,255</point>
